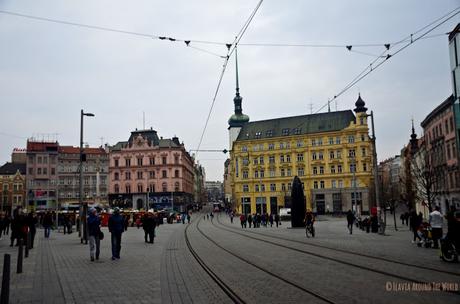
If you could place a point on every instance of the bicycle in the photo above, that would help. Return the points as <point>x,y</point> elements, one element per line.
<point>310,230</point>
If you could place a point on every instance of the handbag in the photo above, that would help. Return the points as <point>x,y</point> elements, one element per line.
<point>101,235</point>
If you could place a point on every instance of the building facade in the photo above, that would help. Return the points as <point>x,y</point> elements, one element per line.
<point>12,186</point>
<point>330,152</point>
<point>150,172</point>
<point>454,51</point>
<point>199,191</point>
<point>441,159</point>
<point>95,176</point>
<point>390,180</point>
<point>215,191</point>
<point>41,174</point>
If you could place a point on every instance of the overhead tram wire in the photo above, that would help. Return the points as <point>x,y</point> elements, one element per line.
<point>369,69</point>
<point>229,53</point>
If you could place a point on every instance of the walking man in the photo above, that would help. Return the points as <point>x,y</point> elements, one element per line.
<point>94,232</point>
<point>47,223</point>
<point>277,219</point>
<point>116,228</point>
<point>436,226</point>
<point>350,220</point>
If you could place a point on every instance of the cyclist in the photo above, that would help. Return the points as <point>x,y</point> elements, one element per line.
<point>309,221</point>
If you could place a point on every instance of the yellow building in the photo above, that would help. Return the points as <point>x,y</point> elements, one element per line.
<point>330,152</point>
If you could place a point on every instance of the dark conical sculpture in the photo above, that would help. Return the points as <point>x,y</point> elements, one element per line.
<point>298,204</point>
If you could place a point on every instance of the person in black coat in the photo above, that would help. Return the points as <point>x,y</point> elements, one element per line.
<point>350,220</point>
<point>116,228</point>
<point>31,221</point>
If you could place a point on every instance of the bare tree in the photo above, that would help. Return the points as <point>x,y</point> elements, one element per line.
<point>427,179</point>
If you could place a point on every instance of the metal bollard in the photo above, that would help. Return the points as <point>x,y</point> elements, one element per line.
<point>20,250</point>
<point>5,295</point>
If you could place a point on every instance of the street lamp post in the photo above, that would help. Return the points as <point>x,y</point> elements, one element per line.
<point>83,207</point>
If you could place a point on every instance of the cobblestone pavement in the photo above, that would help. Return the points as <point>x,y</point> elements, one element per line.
<point>58,269</point>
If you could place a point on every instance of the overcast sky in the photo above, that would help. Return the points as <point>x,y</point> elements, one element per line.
<point>49,71</point>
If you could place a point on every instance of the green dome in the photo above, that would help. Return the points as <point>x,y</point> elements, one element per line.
<point>238,120</point>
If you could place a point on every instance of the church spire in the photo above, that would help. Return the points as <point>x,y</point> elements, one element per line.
<point>237,119</point>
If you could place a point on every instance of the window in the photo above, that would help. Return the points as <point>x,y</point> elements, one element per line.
<point>256,188</point>
<point>283,187</point>
<point>331,155</point>
<point>164,187</point>
<point>331,140</point>
<point>364,167</point>
<point>321,184</point>
<point>261,160</point>
<point>116,176</point>
<point>269,133</point>
<point>127,175</point>
<point>139,163</point>
<point>262,173</point>
<point>152,161</point>
<point>39,159</point>
<point>262,188</point>
<point>140,188</point>
<point>315,170</point>
<point>271,146</point>
<point>255,148</point>
<point>163,160</point>
<point>256,174</point>
<point>139,176</point>
<point>272,187</point>
<point>176,187</point>
<point>152,174</point>
<point>300,172</point>
<point>333,184</point>
<point>245,161</point>
<point>351,139</point>
<point>164,174</point>
<point>288,158</point>
<point>244,149</point>
<point>31,171</point>
<point>363,138</point>
<point>31,159</point>
<point>282,158</point>
<point>128,188</point>
<point>39,171</point>
<point>337,140</point>
<point>363,152</point>
<point>289,186</point>
<point>176,173</point>
<point>261,147</point>
<point>339,168</point>
<point>451,124</point>
<point>299,143</point>
<point>272,173</point>
<point>53,171</point>
<point>289,172</point>
<point>128,162</point>
<point>285,132</point>
<point>283,172</point>
<point>352,167</point>
<point>258,134</point>
<point>333,169</point>
<point>339,154</point>
<point>351,153</point>
<point>271,159</point>
<point>315,185</point>
<point>300,157</point>
<point>320,155</point>
<point>281,145</point>
<point>313,156</point>
<point>320,141</point>
<point>117,188</point>
<point>245,174</point>
<point>296,131</point>
<point>151,188</point>
<point>321,170</point>
<point>245,188</point>
<point>361,121</point>
<point>313,142</point>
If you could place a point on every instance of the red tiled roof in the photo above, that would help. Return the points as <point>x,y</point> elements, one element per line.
<point>76,150</point>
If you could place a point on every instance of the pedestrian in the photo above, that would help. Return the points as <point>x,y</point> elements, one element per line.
<point>415,222</point>
<point>6,224</point>
<point>207,216</point>
<point>189,217</point>
<point>116,228</point>
<point>402,217</point>
<point>243,221</point>
<point>47,223</point>
<point>94,233</point>
<point>277,219</point>
<point>270,219</point>
<point>231,217</point>
<point>126,221</point>
<point>16,226</point>
<point>350,220</point>
<point>67,225</point>
<point>263,219</point>
<point>436,226</point>
<point>145,226</point>
<point>150,223</point>
<point>250,220</point>
<point>406,215</point>
<point>212,216</point>
<point>32,224</point>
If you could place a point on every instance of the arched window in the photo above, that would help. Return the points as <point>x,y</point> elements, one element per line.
<point>164,186</point>
<point>117,188</point>
<point>140,188</point>
<point>116,176</point>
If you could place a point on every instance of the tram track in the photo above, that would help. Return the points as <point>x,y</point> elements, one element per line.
<point>222,285</point>
<point>333,259</point>
<point>287,281</point>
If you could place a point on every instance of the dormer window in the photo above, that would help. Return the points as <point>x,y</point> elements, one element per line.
<point>269,133</point>
<point>285,132</point>
<point>258,134</point>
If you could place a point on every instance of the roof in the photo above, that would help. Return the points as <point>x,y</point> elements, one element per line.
<point>76,150</point>
<point>439,109</point>
<point>162,143</point>
<point>151,135</point>
<point>12,168</point>
<point>297,125</point>
<point>39,146</point>
<point>454,32</point>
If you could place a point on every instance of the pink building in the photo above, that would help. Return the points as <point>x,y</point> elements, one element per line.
<point>148,171</point>
<point>439,132</point>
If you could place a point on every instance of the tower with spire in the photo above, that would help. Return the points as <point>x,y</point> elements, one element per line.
<point>238,119</point>
<point>413,140</point>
